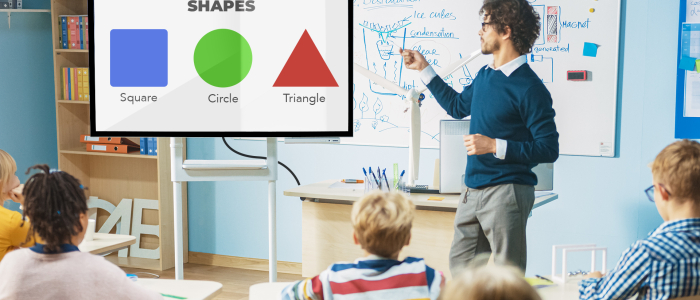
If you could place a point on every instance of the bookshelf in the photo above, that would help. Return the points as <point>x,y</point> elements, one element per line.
<point>111,176</point>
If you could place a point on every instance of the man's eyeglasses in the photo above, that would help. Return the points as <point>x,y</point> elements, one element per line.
<point>483,25</point>
<point>650,191</point>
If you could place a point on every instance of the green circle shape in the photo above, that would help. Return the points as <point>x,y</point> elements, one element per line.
<point>223,58</point>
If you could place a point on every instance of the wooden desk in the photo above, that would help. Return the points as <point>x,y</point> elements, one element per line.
<point>192,289</point>
<point>327,232</point>
<point>104,243</point>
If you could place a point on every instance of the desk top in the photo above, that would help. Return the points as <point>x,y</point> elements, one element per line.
<point>323,192</point>
<point>191,289</point>
<point>271,291</point>
<point>106,242</point>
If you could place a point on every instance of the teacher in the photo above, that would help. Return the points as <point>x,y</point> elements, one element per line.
<point>512,130</point>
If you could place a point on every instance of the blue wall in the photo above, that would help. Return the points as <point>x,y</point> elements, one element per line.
<point>27,101</point>
<point>601,199</point>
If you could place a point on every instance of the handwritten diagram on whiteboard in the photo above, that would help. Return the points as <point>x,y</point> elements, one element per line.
<point>444,30</point>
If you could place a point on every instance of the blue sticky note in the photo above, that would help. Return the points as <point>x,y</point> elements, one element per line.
<point>590,49</point>
<point>138,57</point>
<point>687,63</point>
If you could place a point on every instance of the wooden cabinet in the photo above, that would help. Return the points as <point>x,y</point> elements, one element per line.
<point>109,176</point>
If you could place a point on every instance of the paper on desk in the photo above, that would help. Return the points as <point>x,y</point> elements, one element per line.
<point>349,186</point>
<point>538,283</point>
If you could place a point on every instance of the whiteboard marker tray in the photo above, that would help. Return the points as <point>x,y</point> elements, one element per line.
<point>192,164</point>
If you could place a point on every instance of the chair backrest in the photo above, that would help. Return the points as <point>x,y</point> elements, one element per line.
<point>688,298</point>
<point>267,290</point>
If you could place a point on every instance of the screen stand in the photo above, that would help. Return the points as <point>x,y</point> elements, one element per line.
<point>184,170</point>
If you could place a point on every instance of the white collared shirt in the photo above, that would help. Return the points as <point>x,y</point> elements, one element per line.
<point>508,68</point>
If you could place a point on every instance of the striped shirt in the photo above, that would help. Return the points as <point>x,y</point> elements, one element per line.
<point>371,277</point>
<point>666,265</point>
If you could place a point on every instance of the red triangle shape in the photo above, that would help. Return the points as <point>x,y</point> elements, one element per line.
<point>306,67</point>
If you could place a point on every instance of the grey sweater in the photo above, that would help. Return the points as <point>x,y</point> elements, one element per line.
<point>25,274</point>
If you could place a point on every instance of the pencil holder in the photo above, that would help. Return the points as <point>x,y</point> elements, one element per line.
<point>368,185</point>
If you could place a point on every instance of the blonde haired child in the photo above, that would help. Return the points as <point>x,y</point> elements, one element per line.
<point>13,229</point>
<point>382,227</point>
<point>665,265</point>
<point>490,282</point>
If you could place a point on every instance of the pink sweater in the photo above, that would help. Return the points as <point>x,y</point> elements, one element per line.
<point>25,274</point>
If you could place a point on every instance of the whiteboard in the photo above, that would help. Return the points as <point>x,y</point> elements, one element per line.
<point>446,30</point>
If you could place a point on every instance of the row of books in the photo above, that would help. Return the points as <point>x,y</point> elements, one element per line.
<point>76,84</point>
<point>10,4</point>
<point>74,32</point>
<point>148,146</point>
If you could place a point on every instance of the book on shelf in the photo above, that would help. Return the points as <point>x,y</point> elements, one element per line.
<point>76,84</point>
<point>74,31</point>
<point>6,4</point>
<point>111,148</point>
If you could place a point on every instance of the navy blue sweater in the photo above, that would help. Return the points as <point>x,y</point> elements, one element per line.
<point>517,109</point>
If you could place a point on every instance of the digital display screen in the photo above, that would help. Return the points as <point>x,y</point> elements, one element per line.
<point>220,68</point>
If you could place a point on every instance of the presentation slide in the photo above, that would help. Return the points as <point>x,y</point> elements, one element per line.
<point>203,68</point>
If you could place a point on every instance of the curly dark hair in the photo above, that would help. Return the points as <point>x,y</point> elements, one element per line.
<point>519,16</point>
<point>53,201</point>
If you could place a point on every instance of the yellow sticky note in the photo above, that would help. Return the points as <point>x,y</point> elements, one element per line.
<point>436,198</point>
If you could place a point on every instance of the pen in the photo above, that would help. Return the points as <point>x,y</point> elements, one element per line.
<point>385,179</point>
<point>363,170</point>
<point>543,278</point>
<point>352,181</point>
<point>400,177</point>
<point>171,296</point>
<point>375,177</point>
<point>390,41</point>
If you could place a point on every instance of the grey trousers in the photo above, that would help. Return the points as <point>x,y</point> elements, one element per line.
<point>492,219</point>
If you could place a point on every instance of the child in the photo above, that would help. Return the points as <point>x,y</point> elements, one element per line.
<point>56,269</point>
<point>13,230</point>
<point>666,265</point>
<point>490,282</point>
<point>382,226</point>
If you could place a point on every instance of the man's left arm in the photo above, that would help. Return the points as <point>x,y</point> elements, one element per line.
<point>537,113</point>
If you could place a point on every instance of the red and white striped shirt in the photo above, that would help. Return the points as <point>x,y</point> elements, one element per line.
<point>371,277</point>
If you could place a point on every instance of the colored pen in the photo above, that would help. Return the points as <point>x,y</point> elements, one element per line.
<point>386,180</point>
<point>363,170</point>
<point>375,177</point>
<point>171,296</point>
<point>353,181</point>
<point>543,278</point>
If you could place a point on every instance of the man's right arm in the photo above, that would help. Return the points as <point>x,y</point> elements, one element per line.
<point>457,105</point>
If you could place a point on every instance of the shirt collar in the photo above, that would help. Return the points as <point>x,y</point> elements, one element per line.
<point>372,257</point>
<point>678,226</point>
<point>39,248</point>
<point>511,66</point>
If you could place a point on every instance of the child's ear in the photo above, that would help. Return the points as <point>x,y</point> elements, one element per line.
<point>408,241</point>
<point>664,194</point>
<point>354,238</point>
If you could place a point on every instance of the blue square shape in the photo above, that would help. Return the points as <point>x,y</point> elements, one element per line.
<point>138,57</point>
<point>590,49</point>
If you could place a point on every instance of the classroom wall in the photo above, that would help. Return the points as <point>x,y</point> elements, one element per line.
<point>601,200</point>
<point>27,100</point>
